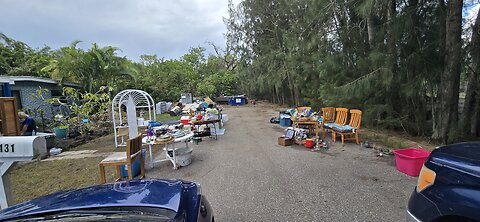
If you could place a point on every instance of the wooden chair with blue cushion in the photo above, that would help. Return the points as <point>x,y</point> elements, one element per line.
<point>328,116</point>
<point>340,120</point>
<point>350,131</point>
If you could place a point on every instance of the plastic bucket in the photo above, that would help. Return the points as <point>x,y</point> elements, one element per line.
<point>60,132</point>
<point>410,160</point>
<point>184,156</point>
<point>309,143</point>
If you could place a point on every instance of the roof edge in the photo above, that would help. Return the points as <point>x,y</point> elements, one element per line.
<point>13,79</point>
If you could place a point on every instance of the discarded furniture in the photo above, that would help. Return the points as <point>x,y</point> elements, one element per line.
<point>328,116</point>
<point>117,159</point>
<point>141,100</point>
<point>303,109</point>
<point>170,149</point>
<point>311,124</point>
<point>9,121</point>
<point>350,131</point>
<point>340,120</point>
<point>122,131</point>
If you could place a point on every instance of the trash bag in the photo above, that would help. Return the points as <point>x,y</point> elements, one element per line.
<point>274,120</point>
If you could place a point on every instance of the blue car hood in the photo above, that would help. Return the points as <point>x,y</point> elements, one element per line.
<point>165,194</point>
<point>462,156</point>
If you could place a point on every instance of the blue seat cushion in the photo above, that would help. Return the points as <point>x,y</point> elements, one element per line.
<point>346,128</point>
<point>329,125</point>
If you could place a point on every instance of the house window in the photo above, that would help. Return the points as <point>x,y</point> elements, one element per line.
<point>16,94</point>
<point>58,94</point>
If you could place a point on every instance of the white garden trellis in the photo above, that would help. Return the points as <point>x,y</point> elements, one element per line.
<point>141,99</point>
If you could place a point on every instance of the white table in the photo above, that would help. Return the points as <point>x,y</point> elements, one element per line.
<point>169,146</point>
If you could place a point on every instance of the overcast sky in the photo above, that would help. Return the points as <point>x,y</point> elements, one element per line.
<point>167,28</point>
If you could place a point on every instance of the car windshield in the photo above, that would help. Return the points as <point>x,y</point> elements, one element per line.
<point>102,214</point>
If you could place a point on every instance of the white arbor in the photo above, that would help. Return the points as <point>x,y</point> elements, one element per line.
<point>141,99</point>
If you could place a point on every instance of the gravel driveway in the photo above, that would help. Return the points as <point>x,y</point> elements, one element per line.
<point>248,177</point>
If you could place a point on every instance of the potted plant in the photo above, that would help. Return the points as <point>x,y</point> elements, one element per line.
<point>60,126</point>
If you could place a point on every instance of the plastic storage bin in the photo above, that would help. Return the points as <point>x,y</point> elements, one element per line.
<point>161,107</point>
<point>186,98</point>
<point>285,122</point>
<point>410,160</point>
<point>135,167</point>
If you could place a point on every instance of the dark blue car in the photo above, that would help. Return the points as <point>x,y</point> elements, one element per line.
<point>137,200</point>
<point>448,187</point>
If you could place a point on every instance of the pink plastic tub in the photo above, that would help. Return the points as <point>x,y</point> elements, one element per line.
<point>410,160</point>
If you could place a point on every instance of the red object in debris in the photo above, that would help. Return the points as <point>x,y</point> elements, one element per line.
<point>185,120</point>
<point>410,160</point>
<point>309,143</point>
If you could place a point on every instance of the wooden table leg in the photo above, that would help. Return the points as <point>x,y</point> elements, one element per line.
<point>102,174</point>
<point>119,174</point>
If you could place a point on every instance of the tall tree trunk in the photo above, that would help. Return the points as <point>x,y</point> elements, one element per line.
<point>435,94</point>
<point>291,86</point>
<point>394,90</point>
<point>475,125</point>
<point>392,46</point>
<point>469,122</point>
<point>475,53</point>
<point>450,78</point>
<point>298,100</point>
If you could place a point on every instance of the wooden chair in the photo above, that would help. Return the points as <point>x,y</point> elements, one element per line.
<point>328,116</point>
<point>117,159</point>
<point>340,120</point>
<point>122,133</point>
<point>301,109</point>
<point>350,131</point>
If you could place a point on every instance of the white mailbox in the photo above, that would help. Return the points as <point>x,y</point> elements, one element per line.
<point>20,148</point>
<point>17,148</point>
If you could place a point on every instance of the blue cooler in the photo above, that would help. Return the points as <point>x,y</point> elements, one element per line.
<point>285,119</point>
<point>285,122</point>
<point>135,167</point>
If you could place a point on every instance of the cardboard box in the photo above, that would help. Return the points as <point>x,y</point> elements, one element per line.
<point>284,141</point>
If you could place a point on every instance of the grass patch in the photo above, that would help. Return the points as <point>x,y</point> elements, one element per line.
<point>394,140</point>
<point>102,144</point>
<point>39,178</point>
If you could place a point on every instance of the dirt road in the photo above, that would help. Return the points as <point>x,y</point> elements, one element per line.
<point>248,177</point>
